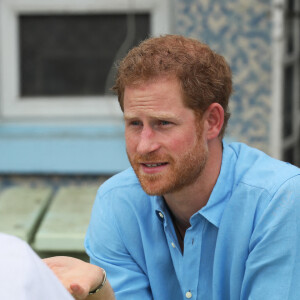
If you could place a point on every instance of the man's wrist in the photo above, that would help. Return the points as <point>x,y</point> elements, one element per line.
<point>100,286</point>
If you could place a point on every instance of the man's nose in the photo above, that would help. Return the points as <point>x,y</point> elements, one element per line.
<point>148,141</point>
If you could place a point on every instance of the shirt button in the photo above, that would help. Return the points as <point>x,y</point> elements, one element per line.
<point>161,215</point>
<point>188,295</point>
<point>173,245</point>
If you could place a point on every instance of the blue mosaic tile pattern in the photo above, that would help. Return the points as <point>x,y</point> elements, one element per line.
<point>241,31</point>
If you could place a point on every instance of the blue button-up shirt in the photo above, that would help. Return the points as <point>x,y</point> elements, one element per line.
<point>244,244</point>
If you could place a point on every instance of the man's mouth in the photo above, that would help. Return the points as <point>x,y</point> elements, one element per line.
<point>153,165</point>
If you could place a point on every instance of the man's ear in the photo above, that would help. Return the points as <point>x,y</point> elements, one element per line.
<point>214,120</point>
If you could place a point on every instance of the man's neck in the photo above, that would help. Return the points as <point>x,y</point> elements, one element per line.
<point>186,202</point>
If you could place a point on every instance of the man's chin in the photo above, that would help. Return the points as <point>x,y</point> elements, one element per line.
<point>152,184</point>
<point>152,192</point>
<point>151,187</point>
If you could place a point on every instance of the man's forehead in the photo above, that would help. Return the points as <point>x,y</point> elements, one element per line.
<point>156,80</point>
<point>156,114</point>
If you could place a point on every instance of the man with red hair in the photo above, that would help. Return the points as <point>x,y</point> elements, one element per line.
<point>194,217</point>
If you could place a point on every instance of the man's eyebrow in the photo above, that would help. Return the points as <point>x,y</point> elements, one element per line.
<point>128,116</point>
<point>158,116</point>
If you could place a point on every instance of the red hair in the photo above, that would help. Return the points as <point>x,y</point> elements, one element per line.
<point>204,76</point>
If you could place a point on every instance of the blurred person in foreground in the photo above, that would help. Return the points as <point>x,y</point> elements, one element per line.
<point>24,276</point>
<point>194,217</point>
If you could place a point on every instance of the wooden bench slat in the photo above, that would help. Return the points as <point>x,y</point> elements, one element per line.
<point>21,207</point>
<point>65,223</point>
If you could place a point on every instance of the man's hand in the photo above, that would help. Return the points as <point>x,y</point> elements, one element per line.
<point>77,276</point>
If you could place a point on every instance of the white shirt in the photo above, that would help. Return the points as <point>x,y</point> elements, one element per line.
<point>24,276</point>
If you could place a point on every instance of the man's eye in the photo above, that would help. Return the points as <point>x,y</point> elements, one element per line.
<point>164,123</point>
<point>135,123</point>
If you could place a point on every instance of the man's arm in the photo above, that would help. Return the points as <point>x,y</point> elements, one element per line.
<point>114,242</point>
<point>79,278</point>
<point>106,293</point>
<point>272,270</point>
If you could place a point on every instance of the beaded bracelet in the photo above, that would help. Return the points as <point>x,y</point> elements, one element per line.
<point>101,284</point>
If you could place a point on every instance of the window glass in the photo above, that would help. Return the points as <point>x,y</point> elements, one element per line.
<point>288,101</point>
<point>288,155</point>
<point>73,55</point>
<point>290,5</point>
<point>289,26</point>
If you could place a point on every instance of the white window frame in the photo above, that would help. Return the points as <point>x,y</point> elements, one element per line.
<point>12,106</point>
<point>280,60</point>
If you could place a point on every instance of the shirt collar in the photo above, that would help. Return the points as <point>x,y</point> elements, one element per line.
<point>215,206</point>
<point>222,190</point>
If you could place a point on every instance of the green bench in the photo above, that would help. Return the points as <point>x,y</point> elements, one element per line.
<point>53,223</point>
<point>21,209</point>
<point>64,225</point>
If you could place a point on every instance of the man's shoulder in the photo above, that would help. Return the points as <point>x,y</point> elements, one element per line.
<point>124,182</point>
<point>255,168</point>
<point>122,198</point>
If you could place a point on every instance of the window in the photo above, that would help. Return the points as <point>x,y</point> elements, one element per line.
<point>73,55</point>
<point>57,57</point>
<point>291,83</point>
<point>287,80</point>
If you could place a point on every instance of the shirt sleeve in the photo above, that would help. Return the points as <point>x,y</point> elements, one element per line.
<point>112,228</point>
<point>272,270</point>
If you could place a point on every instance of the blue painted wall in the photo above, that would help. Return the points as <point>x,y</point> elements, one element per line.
<point>60,149</point>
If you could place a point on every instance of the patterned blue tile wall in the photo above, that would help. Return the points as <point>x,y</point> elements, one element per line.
<point>241,31</point>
